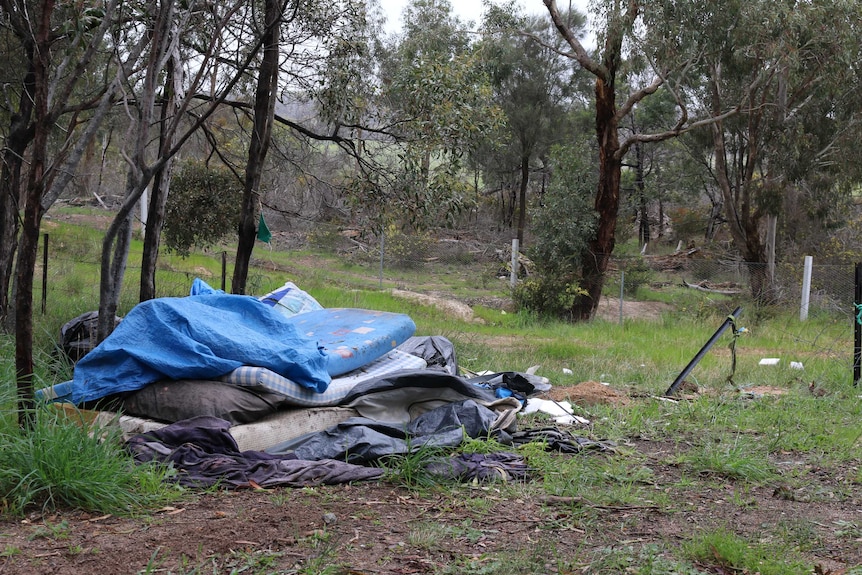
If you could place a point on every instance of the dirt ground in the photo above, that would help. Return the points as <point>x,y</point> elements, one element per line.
<point>378,528</point>
<point>609,309</point>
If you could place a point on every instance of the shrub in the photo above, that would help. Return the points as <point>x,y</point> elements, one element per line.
<point>637,273</point>
<point>405,250</point>
<point>564,221</point>
<point>547,295</point>
<point>203,207</point>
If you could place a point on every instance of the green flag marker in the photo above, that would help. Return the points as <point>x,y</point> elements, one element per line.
<point>263,233</point>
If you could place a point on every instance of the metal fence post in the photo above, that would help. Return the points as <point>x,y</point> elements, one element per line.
<point>806,288</point>
<point>223,271</point>
<point>513,279</point>
<point>857,327</point>
<point>45,275</point>
<point>622,292</point>
<point>382,254</point>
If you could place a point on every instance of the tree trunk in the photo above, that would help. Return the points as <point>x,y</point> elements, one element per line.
<point>12,157</point>
<point>522,198</point>
<point>742,218</point>
<point>118,237</point>
<point>594,262</point>
<point>264,109</point>
<point>115,249</point>
<point>33,212</point>
<point>644,232</point>
<point>26,267</point>
<point>159,196</point>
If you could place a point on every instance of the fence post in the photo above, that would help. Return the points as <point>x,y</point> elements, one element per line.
<point>223,271</point>
<point>622,292</point>
<point>382,254</point>
<point>806,289</point>
<point>514,277</point>
<point>45,275</point>
<point>857,327</point>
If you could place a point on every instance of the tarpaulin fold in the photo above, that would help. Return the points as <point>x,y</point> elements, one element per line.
<point>197,337</point>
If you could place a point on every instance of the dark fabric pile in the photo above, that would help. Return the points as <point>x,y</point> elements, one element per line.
<point>204,453</point>
<point>481,467</point>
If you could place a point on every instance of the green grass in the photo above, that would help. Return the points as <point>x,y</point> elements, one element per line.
<point>59,463</point>
<point>724,548</point>
<point>726,435</point>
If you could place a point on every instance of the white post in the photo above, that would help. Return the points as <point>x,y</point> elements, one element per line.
<point>771,225</point>
<point>622,291</point>
<point>806,288</point>
<point>145,204</point>
<point>514,277</point>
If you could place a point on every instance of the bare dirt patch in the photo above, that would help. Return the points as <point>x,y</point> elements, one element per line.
<point>450,307</point>
<point>589,393</point>
<point>609,309</point>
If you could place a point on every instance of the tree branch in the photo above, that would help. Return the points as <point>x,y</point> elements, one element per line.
<point>580,54</point>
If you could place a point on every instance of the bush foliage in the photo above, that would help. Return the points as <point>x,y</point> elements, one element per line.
<point>203,207</point>
<point>563,221</point>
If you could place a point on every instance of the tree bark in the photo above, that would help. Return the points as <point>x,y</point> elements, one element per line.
<point>264,110</point>
<point>12,157</point>
<point>522,198</point>
<point>33,212</point>
<point>595,260</point>
<point>743,219</point>
<point>159,196</point>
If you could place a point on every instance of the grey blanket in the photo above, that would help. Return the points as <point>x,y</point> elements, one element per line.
<point>204,454</point>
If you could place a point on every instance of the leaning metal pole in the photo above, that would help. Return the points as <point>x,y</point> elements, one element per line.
<point>679,379</point>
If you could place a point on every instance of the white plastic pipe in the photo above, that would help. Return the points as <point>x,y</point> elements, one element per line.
<point>514,276</point>
<point>806,288</point>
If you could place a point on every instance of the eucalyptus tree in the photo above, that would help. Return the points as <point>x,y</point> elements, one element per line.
<point>62,45</point>
<point>669,39</point>
<point>792,70</point>
<point>202,84</point>
<point>534,84</point>
<point>309,47</point>
<point>433,104</point>
<point>617,39</point>
<point>15,112</point>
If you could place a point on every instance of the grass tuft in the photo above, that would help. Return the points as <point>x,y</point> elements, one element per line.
<point>61,463</point>
<point>725,550</point>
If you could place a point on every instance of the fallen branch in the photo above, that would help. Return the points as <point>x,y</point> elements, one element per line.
<point>700,287</point>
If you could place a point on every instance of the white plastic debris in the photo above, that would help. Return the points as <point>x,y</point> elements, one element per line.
<point>769,361</point>
<point>561,411</point>
<point>567,371</point>
<point>796,365</point>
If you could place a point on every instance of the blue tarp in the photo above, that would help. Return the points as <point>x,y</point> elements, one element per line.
<point>197,337</point>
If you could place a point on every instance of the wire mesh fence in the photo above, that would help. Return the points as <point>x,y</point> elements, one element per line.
<point>441,261</point>
<point>470,268</point>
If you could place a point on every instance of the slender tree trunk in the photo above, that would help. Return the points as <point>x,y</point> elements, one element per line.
<point>594,262</point>
<point>644,233</point>
<point>264,109</point>
<point>510,206</point>
<point>159,196</point>
<point>33,212</point>
<point>12,158</point>
<point>742,218</point>
<point>522,198</point>
<point>115,248</point>
<point>118,237</point>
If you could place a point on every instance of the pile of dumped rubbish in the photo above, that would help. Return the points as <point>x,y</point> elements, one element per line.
<point>278,390</point>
